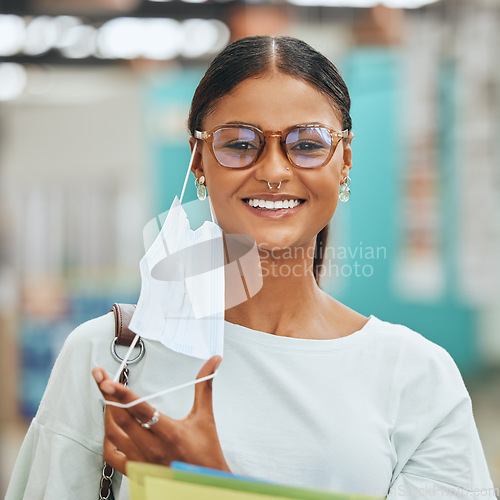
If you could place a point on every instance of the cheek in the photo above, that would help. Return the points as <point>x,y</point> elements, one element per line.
<point>220,186</point>
<point>214,180</point>
<point>326,193</point>
<point>325,188</point>
<point>330,205</point>
<point>225,219</point>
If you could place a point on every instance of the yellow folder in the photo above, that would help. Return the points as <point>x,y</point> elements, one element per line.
<point>155,482</point>
<point>160,489</point>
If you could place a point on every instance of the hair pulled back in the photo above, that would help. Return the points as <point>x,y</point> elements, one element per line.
<point>255,56</point>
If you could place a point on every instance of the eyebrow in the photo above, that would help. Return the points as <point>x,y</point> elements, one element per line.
<point>260,128</point>
<point>243,123</point>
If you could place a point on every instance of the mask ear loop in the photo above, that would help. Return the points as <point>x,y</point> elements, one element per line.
<point>187,173</point>
<point>160,393</point>
<point>212,213</point>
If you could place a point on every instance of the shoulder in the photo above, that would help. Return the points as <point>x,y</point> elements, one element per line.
<point>411,355</point>
<point>89,343</point>
<point>94,331</point>
<point>404,341</point>
<point>422,372</point>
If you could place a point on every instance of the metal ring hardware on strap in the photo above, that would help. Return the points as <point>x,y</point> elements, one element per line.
<point>132,361</point>
<point>123,314</point>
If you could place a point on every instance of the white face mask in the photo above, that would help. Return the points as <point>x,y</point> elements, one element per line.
<point>182,292</point>
<point>182,300</point>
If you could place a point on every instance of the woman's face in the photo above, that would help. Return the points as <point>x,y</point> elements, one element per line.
<point>272,103</point>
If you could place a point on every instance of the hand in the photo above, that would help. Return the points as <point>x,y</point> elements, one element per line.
<point>193,439</point>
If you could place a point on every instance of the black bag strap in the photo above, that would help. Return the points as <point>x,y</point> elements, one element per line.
<point>123,336</point>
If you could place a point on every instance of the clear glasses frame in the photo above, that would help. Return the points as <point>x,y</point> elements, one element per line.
<point>208,136</point>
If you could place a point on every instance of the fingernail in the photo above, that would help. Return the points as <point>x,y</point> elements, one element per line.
<point>98,376</point>
<point>107,388</point>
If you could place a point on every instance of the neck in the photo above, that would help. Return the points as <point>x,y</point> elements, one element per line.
<point>289,295</point>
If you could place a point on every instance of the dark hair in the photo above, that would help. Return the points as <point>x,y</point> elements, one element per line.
<point>255,56</point>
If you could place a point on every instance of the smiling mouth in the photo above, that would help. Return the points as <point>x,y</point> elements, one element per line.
<point>273,205</point>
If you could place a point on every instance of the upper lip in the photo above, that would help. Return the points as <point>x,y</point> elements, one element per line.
<point>272,197</point>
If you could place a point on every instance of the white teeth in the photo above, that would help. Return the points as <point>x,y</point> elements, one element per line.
<point>273,205</point>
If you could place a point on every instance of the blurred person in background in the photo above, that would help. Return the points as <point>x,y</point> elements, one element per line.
<point>310,392</point>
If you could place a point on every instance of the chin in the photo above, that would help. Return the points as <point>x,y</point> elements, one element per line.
<point>276,243</point>
<point>273,238</point>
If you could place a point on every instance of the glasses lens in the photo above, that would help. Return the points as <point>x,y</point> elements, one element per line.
<point>309,146</point>
<point>236,147</point>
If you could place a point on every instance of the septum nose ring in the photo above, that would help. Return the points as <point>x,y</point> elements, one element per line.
<point>270,187</point>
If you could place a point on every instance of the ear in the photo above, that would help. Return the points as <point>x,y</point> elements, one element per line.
<point>197,165</point>
<point>347,155</point>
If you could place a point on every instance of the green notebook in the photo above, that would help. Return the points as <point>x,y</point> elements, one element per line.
<point>155,482</point>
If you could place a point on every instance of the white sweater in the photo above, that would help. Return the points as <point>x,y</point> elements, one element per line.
<point>383,411</point>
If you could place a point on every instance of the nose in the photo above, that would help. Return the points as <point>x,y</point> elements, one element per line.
<point>273,166</point>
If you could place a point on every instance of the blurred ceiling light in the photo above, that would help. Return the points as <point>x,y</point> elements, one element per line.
<point>120,38</point>
<point>88,7</point>
<point>12,81</point>
<point>162,39</point>
<point>12,34</point>
<point>401,4</point>
<point>335,3</point>
<point>41,36</point>
<point>80,42</point>
<point>408,4</point>
<point>200,36</point>
<point>223,36</point>
<point>63,25</point>
<point>129,38</point>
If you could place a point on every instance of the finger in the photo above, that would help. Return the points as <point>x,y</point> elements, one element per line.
<point>113,456</point>
<point>203,390</point>
<point>137,443</point>
<point>142,412</point>
<point>105,383</point>
<point>114,391</point>
<point>115,433</point>
<point>117,420</point>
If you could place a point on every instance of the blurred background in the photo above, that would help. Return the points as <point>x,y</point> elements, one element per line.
<point>94,97</point>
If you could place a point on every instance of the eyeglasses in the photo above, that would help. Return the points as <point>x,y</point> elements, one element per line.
<point>240,146</point>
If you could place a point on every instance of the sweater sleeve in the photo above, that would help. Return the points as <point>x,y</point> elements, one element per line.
<point>438,446</point>
<point>53,465</point>
<point>61,456</point>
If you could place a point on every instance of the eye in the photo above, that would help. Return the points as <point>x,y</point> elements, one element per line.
<point>243,146</point>
<point>307,146</point>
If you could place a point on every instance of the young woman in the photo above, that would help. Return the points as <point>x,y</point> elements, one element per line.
<point>310,392</point>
